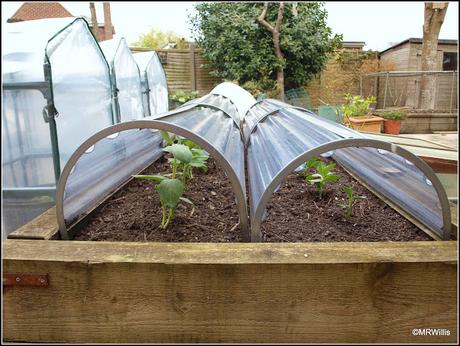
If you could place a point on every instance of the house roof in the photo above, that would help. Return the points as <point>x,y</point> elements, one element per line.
<point>353,44</point>
<point>39,10</point>
<point>418,40</point>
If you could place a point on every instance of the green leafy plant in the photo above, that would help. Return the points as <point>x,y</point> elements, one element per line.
<point>395,114</point>
<point>170,188</point>
<point>186,165</point>
<point>352,198</point>
<point>312,163</point>
<point>323,176</point>
<point>181,97</point>
<point>356,106</point>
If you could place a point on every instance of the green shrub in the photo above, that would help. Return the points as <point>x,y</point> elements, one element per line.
<point>395,114</point>
<point>356,106</point>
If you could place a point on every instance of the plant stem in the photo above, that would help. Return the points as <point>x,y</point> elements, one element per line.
<point>170,216</point>
<point>163,219</point>
<point>174,168</point>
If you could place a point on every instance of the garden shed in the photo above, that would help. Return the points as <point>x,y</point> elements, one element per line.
<point>155,86</point>
<point>56,93</point>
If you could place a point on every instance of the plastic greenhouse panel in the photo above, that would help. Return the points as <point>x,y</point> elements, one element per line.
<point>280,138</point>
<point>57,92</point>
<point>154,81</point>
<point>126,80</point>
<point>212,126</point>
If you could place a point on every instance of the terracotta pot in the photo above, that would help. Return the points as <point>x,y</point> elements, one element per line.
<point>369,123</point>
<point>392,127</point>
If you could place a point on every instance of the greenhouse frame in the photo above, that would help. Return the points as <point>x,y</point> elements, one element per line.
<point>57,93</point>
<point>154,83</point>
<point>126,80</point>
<point>59,89</point>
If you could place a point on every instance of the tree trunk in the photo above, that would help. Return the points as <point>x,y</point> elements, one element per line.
<point>434,17</point>
<point>276,32</point>
<point>95,28</point>
<point>107,21</point>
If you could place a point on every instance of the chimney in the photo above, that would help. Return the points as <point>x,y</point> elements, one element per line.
<point>107,21</point>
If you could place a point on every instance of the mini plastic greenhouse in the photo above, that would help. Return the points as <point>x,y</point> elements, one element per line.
<point>58,91</point>
<point>272,137</point>
<point>155,87</point>
<point>126,80</point>
<point>56,94</point>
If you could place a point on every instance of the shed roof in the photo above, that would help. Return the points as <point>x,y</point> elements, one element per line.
<point>420,41</point>
<point>39,10</point>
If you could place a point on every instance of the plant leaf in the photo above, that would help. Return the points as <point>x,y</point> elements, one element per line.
<point>150,177</point>
<point>165,135</point>
<point>170,191</point>
<point>186,200</point>
<point>181,152</point>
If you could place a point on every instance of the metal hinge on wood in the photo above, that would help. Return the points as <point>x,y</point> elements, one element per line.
<point>39,280</point>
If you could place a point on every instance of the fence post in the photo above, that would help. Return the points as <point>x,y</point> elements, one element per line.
<point>192,68</point>
<point>452,90</point>
<point>385,93</point>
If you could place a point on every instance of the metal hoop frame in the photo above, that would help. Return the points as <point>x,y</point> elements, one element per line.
<point>238,189</point>
<point>256,218</point>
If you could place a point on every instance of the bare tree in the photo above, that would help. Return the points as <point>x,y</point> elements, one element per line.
<point>107,21</point>
<point>434,17</point>
<point>275,30</point>
<point>92,8</point>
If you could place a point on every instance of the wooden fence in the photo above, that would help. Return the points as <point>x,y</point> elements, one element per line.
<point>185,69</point>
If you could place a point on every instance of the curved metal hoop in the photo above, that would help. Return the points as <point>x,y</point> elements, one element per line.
<point>238,189</point>
<point>347,143</point>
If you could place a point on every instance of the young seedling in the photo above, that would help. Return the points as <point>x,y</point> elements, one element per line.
<point>312,163</point>
<point>323,176</point>
<point>187,155</point>
<point>352,198</point>
<point>170,188</point>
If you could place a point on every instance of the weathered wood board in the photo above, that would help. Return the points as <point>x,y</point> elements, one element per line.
<point>176,292</point>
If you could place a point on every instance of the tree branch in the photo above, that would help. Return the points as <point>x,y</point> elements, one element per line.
<point>279,19</point>
<point>261,18</point>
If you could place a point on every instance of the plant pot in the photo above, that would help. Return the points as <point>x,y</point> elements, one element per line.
<point>366,123</point>
<point>392,127</point>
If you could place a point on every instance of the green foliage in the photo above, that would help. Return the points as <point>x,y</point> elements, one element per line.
<point>323,176</point>
<point>156,39</point>
<point>182,97</point>
<point>240,49</point>
<point>312,163</point>
<point>356,105</point>
<point>395,114</point>
<point>180,152</point>
<point>186,156</point>
<point>352,198</point>
<point>350,59</point>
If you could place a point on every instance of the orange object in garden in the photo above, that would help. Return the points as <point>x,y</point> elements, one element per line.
<point>392,127</point>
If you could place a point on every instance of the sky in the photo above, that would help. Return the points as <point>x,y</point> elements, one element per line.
<point>379,24</point>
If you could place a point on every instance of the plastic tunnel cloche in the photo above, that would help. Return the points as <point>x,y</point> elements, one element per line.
<point>120,151</point>
<point>297,135</point>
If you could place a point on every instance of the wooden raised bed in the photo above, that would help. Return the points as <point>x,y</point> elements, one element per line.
<point>237,292</point>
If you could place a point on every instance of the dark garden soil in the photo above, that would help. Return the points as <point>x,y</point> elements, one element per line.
<point>134,213</point>
<point>297,214</point>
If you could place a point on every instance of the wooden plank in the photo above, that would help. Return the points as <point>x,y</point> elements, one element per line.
<point>125,295</point>
<point>454,216</point>
<point>43,227</point>
<point>231,253</point>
